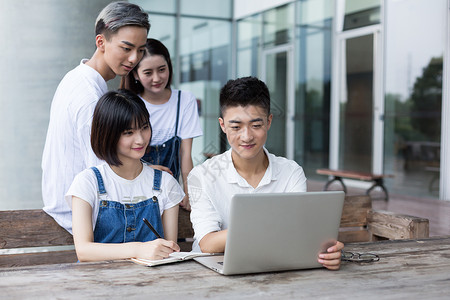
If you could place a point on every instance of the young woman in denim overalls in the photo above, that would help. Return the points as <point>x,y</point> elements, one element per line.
<point>175,119</point>
<point>110,201</point>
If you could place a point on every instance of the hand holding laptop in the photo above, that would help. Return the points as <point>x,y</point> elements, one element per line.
<point>332,259</point>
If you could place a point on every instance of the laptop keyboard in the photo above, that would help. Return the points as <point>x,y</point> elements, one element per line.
<point>220,263</point>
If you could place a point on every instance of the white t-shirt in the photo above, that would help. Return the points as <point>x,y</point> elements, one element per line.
<point>119,189</point>
<point>67,148</point>
<point>163,118</point>
<point>212,184</point>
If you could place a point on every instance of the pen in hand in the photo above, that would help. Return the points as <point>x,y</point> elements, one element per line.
<point>152,228</point>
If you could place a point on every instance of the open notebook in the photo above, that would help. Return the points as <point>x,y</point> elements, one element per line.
<point>173,257</point>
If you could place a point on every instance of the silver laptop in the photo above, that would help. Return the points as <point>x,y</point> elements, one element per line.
<point>278,231</point>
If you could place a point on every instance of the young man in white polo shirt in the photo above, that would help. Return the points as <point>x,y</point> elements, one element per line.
<point>246,168</point>
<point>121,33</point>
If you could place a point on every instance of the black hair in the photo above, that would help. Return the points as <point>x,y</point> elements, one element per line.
<point>115,112</point>
<point>243,92</point>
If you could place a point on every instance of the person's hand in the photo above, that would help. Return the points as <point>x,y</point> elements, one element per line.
<point>156,249</point>
<point>332,259</point>
<point>161,168</point>
<point>185,204</point>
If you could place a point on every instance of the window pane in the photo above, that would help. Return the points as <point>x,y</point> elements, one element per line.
<point>153,6</point>
<point>205,62</point>
<point>279,25</point>
<point>356,122</point>
<point>210,8</point>
<point>249,35</point>
<point>163,29</point>
<point>414,94</point>
<point>313,74</point>
<point>276,79</point>
<point>204,56</point>
<point>361,13</point>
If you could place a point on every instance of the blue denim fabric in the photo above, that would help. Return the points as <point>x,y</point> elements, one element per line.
<point>122,223</point>
<point>168,153</point>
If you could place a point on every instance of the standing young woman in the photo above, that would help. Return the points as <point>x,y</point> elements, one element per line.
<point>175,120</point>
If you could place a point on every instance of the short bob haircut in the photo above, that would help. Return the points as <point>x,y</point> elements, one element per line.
<point>116,112</point>
<point>243,92</point>
<point>152,47</point>
<point>119,14</point>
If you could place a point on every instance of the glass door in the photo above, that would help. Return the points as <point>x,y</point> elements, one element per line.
<point>277,73</point>
<point>359,105</point>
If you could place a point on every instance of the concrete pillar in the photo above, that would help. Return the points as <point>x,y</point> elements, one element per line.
<point>41,41</point>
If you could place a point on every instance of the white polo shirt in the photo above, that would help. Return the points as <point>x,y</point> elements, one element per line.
<point>212,184</point>
<point>68,148</point>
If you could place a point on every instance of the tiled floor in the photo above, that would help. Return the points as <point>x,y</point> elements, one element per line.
<point>436,211</point>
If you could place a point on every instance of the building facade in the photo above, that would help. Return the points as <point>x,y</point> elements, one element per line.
<point>356,84</point>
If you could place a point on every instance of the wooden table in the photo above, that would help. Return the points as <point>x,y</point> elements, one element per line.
<point>413,269</point>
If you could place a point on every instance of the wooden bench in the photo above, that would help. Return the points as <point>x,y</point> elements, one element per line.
<point>377,179</point>
<point>36,229</point>
<point>360,223</point>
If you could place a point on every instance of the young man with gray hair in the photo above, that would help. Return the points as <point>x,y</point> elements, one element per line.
<point>121,33</point>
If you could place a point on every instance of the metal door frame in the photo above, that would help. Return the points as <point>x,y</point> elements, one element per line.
<point>339,93</point>
<point>290,88</point>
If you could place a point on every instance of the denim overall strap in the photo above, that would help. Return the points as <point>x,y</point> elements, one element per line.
<point>168,153</point>
<point>122,223</point>
<point>178,113</point>
<point>101,185</point>
<point>157,180</point>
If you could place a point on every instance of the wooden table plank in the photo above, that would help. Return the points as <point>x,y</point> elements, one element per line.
<point>413,269</point>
